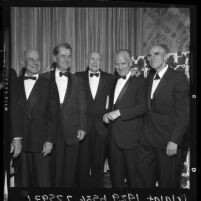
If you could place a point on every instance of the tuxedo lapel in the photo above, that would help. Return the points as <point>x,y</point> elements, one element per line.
<point>86,78</point>
<point>68,90</point>
<point>52,77</point>
<point>161,83</point>
<point>22,101</point>
<point>100,85</point>
<point>35,93</point>
<point>150,82</point>
<point>123,91</point>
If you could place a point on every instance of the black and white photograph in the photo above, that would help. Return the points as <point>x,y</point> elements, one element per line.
<point>99,98</point>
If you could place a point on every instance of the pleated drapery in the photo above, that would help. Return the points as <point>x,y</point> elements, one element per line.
<point>103,29</point>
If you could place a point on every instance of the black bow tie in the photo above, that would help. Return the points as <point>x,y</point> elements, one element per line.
<point>94,74</point>
<point>123,77</point>
<point>31,78</point>
<point>64,74</point>
<point>157,77</point>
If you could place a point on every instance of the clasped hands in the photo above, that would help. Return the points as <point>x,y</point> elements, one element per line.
<point>111,116</point>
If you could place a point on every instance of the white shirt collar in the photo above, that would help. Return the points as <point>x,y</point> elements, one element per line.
<point>35,75</point>
<point>162,72</point>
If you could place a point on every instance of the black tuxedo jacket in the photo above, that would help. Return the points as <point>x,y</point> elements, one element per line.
<point>36,118</point>
<point>167,118</point>
<point>72,115</point>
<point>127,129</point>
<point>96,108</point>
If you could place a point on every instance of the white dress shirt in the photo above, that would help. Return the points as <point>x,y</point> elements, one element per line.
<point>93,83</point>
<point>62,83</point>
<point>156,82</point>
<point>119,86</point>
<point>29,84</point>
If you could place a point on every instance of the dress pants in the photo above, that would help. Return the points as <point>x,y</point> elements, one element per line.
<point>153,165</point>
<point>123,162</point>
<point>66,161</point>
<point>92,155</point>
<point>32,170</point>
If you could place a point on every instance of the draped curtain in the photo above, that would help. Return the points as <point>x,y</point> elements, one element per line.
<point>103,29</point>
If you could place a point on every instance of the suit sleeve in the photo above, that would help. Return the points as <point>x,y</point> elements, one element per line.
<point>53,113</point>
<point>140,106</point>
<point>81,104</point>
<point>181,96</point>
<point>15,114</point>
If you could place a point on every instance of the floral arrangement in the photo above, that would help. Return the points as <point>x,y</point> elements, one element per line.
<point>178,61</point>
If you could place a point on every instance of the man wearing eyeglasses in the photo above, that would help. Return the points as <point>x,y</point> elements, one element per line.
<point>72,117</point>
<point>92,153</point>
<point>34,120</point>
<point>165,123</point>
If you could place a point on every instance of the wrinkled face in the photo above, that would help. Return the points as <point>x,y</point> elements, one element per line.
<point>64,59</point>
<point>122,63</point>
<point>32,62</point>
<point>157,57</point>
<point>94,61</point>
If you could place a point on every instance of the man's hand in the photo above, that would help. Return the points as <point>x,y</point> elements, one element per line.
<point>80,135</point>
<point>171,149</point>
<point>105,118</point>
<point>113,115</point>
<point>135,72</point>
<point>16,147</point>
<point>47,148</point>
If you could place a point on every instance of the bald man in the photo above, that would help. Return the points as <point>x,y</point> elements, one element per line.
<point>92,152</point>
<point>125,121</point>
<point>165,123</point>
<point>34,133</point>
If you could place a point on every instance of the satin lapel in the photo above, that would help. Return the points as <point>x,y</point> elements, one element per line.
<point>22,101</point>
<point>123,91</point>
<point>161,83</point>
<point>86,78</point>
<point>52,77</point>
<point>150,82</point>
<point>100,85</point>
<point>69,89</point>
<point>112,99</point>
<point>35,93</point>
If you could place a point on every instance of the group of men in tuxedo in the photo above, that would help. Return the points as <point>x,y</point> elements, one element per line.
<point>64,125</point>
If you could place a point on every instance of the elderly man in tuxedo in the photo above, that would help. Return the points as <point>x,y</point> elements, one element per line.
<point>71,99</point>
<point>92,153</point>
<point>165,123</point>
<point>34,121</point>
<point>125,120</point>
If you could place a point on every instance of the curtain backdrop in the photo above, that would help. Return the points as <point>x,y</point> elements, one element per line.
<point>86,29</point>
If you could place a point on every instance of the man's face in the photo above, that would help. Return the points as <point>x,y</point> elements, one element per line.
<point>32,62</point>
<point>94,61</point>
<point>157,57</point>
<point>64,58</point>
<point>122,63</point>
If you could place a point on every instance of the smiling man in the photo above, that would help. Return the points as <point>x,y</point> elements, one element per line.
<point>71,131</point>
<point>34,125</point>
<point>125,120</point>
<point>165,123</point>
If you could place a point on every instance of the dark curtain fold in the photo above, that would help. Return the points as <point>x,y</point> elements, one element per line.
<point>86,29</point>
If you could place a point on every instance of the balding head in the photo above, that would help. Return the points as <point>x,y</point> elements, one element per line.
<point>32,61</point>
<point>122,61</point>
<point>94,61</point>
